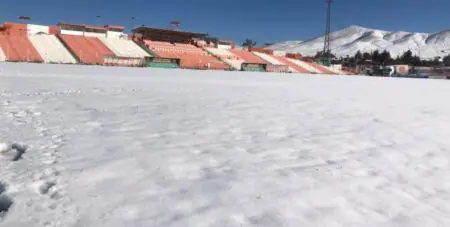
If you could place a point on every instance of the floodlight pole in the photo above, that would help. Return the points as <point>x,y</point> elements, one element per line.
<point>326,53</point>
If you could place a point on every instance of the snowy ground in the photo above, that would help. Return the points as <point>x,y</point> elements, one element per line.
<point>141,147</point>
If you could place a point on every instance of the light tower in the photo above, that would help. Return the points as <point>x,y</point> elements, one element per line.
<point>326,53</point>
<point>176,23</point>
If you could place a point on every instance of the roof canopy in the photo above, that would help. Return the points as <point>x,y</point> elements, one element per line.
<point>115,27</point>
<point>165,35</point>
<point>83,27</point>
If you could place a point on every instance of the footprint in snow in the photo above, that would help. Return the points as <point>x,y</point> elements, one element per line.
<point>12,152</point>
<point>5,201</point>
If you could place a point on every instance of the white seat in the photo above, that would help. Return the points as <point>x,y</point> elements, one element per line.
<point>268,58</point>
<point>304,65</point>
<point>124,48</point>
<point>51,49</point>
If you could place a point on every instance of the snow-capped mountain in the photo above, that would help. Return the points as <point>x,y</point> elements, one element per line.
<point>349,40</point>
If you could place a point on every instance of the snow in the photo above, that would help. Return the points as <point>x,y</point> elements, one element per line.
<point>349,40</point>
<point>5,147</point>
<point>154,147</point>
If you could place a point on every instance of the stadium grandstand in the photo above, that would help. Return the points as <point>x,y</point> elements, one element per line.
<point>109,45</point>
<point>180,46</point>
<point>15,44</point>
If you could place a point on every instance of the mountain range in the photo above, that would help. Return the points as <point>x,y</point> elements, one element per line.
<point>355,38</point>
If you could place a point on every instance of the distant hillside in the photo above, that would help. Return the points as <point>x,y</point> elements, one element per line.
<point>351,39</point>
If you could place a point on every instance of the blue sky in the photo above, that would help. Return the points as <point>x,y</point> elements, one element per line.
<point>262,20</point>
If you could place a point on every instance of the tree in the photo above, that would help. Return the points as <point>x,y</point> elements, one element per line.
<point>407,57</point>
<point>385,58</point>
<point>249,43</point>
<point>358,55</point>
<point>447,60</point>
<point>415,61</point>
<point>321,55</point>
<point>376,56</point>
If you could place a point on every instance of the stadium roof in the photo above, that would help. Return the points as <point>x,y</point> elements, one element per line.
<point>91,27</point>
<point>157,32</point>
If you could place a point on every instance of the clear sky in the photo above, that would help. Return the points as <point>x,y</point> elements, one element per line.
<point>261,20</point>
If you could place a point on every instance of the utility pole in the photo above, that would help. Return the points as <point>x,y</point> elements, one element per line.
<point>326,53</point>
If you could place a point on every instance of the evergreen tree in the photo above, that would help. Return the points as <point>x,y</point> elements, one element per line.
<point>376,56</point>
<point>249,43</point>
<point>407,57</point>
<point>447,60</point>
<point>415,61</point>
<point>366,56</point>
<point>385,58</point>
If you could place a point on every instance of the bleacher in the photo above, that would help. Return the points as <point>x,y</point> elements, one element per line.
<point>18,48</point>
<point>291,65</point>
<point>191,57</point>
<point>147,47</point>
<point>247,56</point>
<point>51,49</point>
<point>90,50</point>
<point>124,48</point>
<point>304,65</point>
<point>226,56</point>
<point>320,68</point>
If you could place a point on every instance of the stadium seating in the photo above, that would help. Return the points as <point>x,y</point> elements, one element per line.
<point>336,71</point>
<point>276,60</point>
<point>18,48</point>
<point>124,48</point>
<point>292,65</point>
<point>51,49</point>
<point>248,56</point>
<point>304,65</point>
<point>190,56</point>
<point>322,69</point>
<point>227,56</point>
<point>90,50</point>
<point>268,58</point>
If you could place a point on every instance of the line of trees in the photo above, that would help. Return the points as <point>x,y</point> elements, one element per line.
<point>385,58</point>
<point>376,57</point>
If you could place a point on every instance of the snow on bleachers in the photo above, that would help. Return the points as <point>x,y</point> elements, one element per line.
<point>268,58</point>
<point>248,57</point>
<point>292,66</point>
<point>227,57</point>
<point>124,48</point>
<point>2,55</point>
<point>274,61</point>
<point>336,70</point>
<point>51,49</point>
<point>304,65</point>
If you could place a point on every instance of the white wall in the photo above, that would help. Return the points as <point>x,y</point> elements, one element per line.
<point>116,35</point>
<point>94,34</point>
<point>35,29</point>
<point>70,32</point>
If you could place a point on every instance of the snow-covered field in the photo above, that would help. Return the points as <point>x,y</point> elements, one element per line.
<point>146,147</point>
